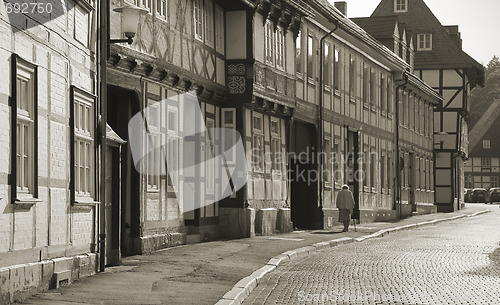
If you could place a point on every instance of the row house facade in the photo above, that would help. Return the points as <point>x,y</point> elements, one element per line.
<point>48,158</point>
<point>362,117</point>
<point>452,73</point>
<point>314,111</point>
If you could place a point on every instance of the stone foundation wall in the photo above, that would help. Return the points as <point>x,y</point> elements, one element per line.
<point>20,282</point>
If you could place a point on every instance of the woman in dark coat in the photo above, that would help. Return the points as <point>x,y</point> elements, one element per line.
<point>345,204</point>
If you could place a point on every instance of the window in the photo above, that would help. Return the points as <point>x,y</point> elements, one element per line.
<point>411,110</point>
<point>209,23</point>
<point>389,96</point>
<point>389,173</point>
<point>424,42</point>
<point>400,6</point>
<point>153,141</point>
<point>327,162</point>
<point>486,144</point>
<point>373,167</point>
<point>337,70</point>
<point>280,48</point>
<point>24,131</point>
<point>327,62</point>
<point>366,154</point>
<point>198,19</point>
<point>382,171</point>
<point>229,121</point>
<point>352,76</point>
<point>366,84</point>
<point>83,155</point>
<point>258,142</point>
<point>145,4</point>
<point>383,93</point>
<point>372,88</point>
<point>210,155</point>
<point>161,8</point>
<point>468,183</point>
<point>298,53</point>
<point>219,29</point>
<point>269,42</point>
<point>494,181</point>
<point>170,123</point>
<point>406,107</point>
<point>337,159</point>
<point>310,57</point>
<point>276,145</point>
<point>485,162</point>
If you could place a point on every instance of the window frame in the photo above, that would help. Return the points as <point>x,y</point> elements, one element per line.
<point>299,67</point>
<point>19,64</point>
<point>337,70</point>
<point>161,9</point>
<point>279,51</point>
<point>486,144</point>
<point>220,29</point>
<point>198,20</point>
<point>400,6</point>
<point>427,39</point>
<point>275,146</point>
<point>258,134</point>
<point>269,43</point>
<point>310,57</point>
<point>89,99</point>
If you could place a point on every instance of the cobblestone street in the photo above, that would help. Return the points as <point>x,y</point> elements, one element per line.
<point>450,263</point>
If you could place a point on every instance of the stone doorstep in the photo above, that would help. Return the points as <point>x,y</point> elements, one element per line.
<point>246,285</point>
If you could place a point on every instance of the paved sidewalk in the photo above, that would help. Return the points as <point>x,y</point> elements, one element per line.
<point>204,273</point>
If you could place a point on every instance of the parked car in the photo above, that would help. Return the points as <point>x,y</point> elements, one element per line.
<point>467,193</point>
<point>493,195</point>
<point>478,195</point>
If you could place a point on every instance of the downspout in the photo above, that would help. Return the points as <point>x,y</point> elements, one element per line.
<point>397,195</point>
<point>320,119</point>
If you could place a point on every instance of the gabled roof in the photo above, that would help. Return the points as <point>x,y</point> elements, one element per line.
<point>484,124</point>
<point>333,14</point>
<point>378,27</point>
<point>446,54</point>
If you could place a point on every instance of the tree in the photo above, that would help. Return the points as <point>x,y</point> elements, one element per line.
<point>482,98</point>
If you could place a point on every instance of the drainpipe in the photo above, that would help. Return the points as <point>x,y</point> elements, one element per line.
<point>397,195</point>
<point>320,119</point>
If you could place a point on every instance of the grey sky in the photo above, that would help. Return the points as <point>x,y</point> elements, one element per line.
<point>478,21</point>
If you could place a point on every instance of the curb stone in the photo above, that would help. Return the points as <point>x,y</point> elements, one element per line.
<point>245,286</point>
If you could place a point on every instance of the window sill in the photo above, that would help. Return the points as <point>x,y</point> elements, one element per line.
<point>84,204</point>
<point>337,92</point>
<point>352,100</point>
<point>25,203</point>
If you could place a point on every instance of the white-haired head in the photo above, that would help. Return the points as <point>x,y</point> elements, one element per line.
<point>345,187</point>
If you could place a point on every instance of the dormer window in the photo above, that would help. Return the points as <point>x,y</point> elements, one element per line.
<point>400,6</point>
<point>424,42</point>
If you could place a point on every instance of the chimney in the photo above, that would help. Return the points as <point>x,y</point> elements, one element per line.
<point>342,7</point>
<point>454,34</point>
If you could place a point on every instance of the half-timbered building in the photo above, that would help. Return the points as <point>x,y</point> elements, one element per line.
<point>482,169</point>
<point>441,63</point>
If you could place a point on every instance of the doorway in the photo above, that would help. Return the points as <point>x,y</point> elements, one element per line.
<point>304,177</point>
<point>353,173</point>
<point>123,104</point>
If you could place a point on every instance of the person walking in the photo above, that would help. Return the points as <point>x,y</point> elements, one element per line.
<point>345,204</point>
